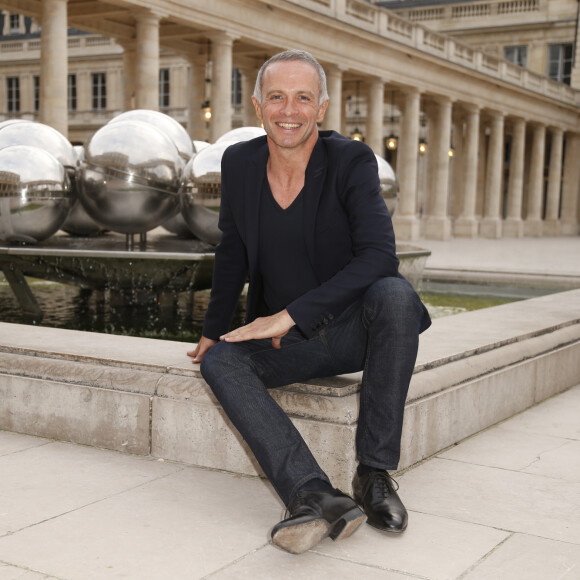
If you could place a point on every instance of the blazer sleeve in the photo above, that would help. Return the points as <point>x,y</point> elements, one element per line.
<point>372,252</point>
<point>230,266</point>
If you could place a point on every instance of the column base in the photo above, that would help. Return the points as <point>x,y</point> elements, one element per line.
<point>407,227</point>
<point>551,228</point>
<point>513,228</point>
<point>464,227</point>
<point>533,228</point>
<point>437,228</point>
<point>490,228</point>
<point>569,228</point>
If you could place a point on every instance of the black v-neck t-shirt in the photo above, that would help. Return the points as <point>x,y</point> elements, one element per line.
<point>284,264</point>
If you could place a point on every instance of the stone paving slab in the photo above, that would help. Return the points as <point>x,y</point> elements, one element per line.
<point>69,512</point>
<point>530,558</point>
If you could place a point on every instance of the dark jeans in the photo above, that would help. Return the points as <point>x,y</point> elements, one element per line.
<point>378,334</point>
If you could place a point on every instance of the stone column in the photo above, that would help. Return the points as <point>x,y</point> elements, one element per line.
<point>533,221</point>
<point>438,224</point>
<point>491,222</point>
<point>466,225</point>
<point>221,85</point>
<point>54,65</point>
<point>129,72</point>
<point>551,223</point>
<point>196,126</point>
<point>249,118</point>
<point>570,188</point>
<point>405,220</point>
<point>375,109</point>
<point>333,117</point>
<point>513,226</point>
<point>147,61</point>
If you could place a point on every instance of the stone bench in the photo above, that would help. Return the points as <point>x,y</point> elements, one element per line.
<point>145,397</point>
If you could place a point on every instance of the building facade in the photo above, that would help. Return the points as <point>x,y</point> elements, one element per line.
<point>484,146</point>
<point>540,35</point>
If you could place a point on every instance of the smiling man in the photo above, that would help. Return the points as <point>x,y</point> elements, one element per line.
<point>302,214</point>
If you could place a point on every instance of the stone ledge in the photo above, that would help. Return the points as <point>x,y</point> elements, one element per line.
<point>144,396</point>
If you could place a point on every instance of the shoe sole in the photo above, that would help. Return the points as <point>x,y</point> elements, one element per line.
<point>347,524</point>
<point>388,530</point>
<point>300,538</point>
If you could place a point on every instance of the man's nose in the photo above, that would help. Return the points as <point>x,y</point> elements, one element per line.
<point>289,107</point>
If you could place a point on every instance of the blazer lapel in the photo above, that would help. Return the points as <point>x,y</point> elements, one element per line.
<point>313,185</point>
<point>255,173</point>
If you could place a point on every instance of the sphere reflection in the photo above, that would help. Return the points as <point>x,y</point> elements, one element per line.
<point>130,176</point>
<point>34,194</point>
<point>389,184</point>
<point>166,124</point>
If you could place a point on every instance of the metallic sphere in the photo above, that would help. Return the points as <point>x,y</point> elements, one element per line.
<point>199,145</point>
<point>130,176</point>
<point>176,225</point>
<point>389,184</point>
<point>10,121</point>
<point>34,194</point>
<point>242,134</point>
<point>41,136</point>
<point>79,222</point>
<point>201,192</point>
<point>172,128</point>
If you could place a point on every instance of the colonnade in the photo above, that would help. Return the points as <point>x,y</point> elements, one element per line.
<point>494,185</point>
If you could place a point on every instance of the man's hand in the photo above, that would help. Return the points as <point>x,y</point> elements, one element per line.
<point>201,349</point>
<point>274,327</point>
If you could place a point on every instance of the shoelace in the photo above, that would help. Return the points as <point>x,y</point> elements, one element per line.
<point>381,480</point>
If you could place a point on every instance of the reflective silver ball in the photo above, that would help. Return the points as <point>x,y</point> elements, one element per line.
<point>176,225</point>
<point>389,184</point>
<point>201,192</point>
<point>130,176</point>
<point>242,134</point>
<point>41,136</point>
<point>34,194</point>
<point>199,145</point>
<point>10,121</point>
<point>166,124</point>
<point>79,222</point>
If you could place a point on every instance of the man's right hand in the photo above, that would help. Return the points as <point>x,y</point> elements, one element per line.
<point>201,349</point>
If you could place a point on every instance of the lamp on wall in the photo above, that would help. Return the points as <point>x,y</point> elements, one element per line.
<point>451,151</point>
<point>422,137</point>
<point>392,141</point>
<point>356,134</point>
<point>206,105</point>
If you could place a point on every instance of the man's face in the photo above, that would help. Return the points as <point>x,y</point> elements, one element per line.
<point>289,109</point>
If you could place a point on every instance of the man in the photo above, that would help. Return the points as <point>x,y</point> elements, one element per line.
<point>301,212</point>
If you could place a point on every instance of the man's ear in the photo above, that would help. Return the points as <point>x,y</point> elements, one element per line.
<point>322,111</point>
<point>258,108</point>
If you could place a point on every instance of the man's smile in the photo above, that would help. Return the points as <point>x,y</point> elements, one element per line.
<point>289,125</point>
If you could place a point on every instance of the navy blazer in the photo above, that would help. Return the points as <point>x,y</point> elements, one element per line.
<point>349,233</point>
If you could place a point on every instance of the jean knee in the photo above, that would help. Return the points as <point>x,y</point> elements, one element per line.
<point>393,298</point>
<point>220,360</point>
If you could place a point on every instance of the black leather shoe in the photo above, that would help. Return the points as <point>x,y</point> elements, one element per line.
<point>378,497</point>
<point>314,515</point>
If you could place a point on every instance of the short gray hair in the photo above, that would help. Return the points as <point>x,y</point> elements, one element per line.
<point>293,55</point>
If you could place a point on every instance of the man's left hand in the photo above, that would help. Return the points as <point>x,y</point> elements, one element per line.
<point>274,327</point>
